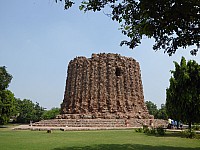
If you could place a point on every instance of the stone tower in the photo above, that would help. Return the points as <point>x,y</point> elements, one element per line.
<point>104,86</point>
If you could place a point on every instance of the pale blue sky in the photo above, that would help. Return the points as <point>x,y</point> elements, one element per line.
<point>38,38</point>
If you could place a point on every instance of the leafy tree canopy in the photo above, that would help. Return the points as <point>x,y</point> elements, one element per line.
<point>51,114</point>
<point>6,96</point>
<point>152,108</point>
<point>28,111</point>
<point>161,113</point>
<point>157,113</point>
<point>172,23</point>
<point>6,105</point>
<point>5,78</point>
<point>183,94</point>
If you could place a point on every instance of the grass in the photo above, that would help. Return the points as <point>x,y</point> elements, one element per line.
<point>92,140</point>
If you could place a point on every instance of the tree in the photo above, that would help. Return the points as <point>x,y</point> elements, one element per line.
<point>28,111</point>
<point>152,108</point>
<point>6,105</point>
<point>183,94</point>
<point>161,113</point>
<point>51,114</point>
<point>38,112</point>
<point>172,23</point>
<point>5,78</point>
<point>6,96</point>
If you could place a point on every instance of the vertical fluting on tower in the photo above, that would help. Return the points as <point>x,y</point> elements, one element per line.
<point>105,85</point>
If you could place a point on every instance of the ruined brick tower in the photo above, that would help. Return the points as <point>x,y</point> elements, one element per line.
<point>105,86</point>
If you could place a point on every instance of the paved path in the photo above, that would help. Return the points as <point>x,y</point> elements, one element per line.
<point>27,127</point>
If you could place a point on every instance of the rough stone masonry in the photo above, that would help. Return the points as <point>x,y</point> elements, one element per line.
<point>106,86</point>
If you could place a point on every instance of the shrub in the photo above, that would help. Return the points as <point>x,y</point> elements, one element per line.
<point>189,134</point>
<point>161,131</point>
<point>196,127</point>
<point>152,131</point>
<point>146,129</point>
<point>140,130</point>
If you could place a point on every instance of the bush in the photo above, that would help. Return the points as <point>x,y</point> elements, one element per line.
<point>196,127</point>
<point>189,134</point>
<point>140,130</point>
<point>51,114</point>
<point>152,131</point>
<point>161,131</point>
<point>146,129</point>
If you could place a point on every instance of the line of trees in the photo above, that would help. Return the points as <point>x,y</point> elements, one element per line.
<point>17,110</point>
<point>26,111</point>
<point>157,113</point>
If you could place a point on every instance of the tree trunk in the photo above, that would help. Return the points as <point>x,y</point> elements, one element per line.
<point>190,125</point>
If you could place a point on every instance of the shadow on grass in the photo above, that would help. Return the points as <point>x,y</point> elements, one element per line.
<point>168,134</point>
<point>172,134</point>
<point>3,126</point>
<point>126,147</point>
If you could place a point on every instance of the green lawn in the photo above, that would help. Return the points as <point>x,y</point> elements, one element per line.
<point>90,140</point>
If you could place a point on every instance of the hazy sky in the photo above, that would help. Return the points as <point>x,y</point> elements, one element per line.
<point>38,38</point>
